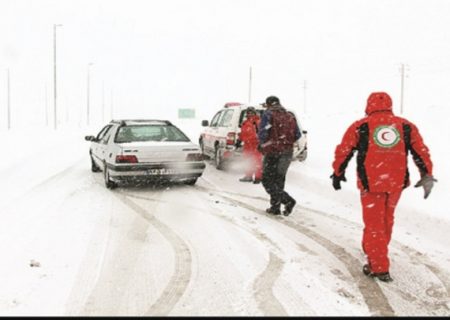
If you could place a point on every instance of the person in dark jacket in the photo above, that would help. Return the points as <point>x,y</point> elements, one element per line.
<point>249,136</point>
<point>278,131</point>
<point>382,141</point>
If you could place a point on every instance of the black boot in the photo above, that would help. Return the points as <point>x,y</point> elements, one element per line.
<point>288,206</point>
<point>382,276</point>
<point>274,210</point>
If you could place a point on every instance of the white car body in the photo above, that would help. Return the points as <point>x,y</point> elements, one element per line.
<point>130,160</point>
<point>219,136</point>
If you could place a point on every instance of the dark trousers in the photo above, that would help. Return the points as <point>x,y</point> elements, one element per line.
<point>275,167</point>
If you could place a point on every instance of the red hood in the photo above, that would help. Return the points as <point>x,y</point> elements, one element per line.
<point>378,101</point>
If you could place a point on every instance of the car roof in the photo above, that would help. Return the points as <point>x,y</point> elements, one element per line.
<point>133,122</point>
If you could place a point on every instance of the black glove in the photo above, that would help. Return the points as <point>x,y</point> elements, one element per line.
<point>337,180</point>
<point>238,143</point>
<point>427,183</point>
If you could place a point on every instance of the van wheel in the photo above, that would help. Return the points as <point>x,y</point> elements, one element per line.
<point>202,149</point>
<point>108,182</point>
<point>303,155</point>
<point>218,160</point>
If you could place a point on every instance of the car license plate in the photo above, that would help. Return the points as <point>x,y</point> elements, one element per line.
<point>160,171</point>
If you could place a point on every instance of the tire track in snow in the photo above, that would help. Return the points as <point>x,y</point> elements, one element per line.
<point>442,301</point>
<point>183,260</point>
<point>374,297</point>
<point>263,285</point>
<point>115,276</point>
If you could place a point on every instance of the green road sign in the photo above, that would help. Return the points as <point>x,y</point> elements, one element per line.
<point>186,113</point>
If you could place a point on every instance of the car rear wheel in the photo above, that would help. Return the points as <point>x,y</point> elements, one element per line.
<point>191,182</point>
<point>108,182</point>
<point>94,166</point>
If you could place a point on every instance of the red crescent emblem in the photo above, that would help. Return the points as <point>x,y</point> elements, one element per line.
<point>383,137</point>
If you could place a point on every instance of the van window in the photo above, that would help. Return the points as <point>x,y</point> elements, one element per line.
<point>225,121</point>
<point>243,115</point>
<point>215,119</point>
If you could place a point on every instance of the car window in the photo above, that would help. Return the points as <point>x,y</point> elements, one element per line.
<point>225,121</point>
<point>103,132</point>
<point>106,136</point>
<point>215,119</point>
<point>136,133</point>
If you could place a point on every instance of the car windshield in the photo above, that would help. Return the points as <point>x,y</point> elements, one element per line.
<point>149,133</point>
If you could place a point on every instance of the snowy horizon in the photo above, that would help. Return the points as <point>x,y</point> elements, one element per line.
<point>72,247</point>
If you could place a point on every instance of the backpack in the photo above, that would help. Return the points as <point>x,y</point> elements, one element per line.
<point>281,133</point>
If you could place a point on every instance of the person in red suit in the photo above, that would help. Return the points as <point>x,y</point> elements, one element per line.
<point>249,136</point>
<point>382,141</point>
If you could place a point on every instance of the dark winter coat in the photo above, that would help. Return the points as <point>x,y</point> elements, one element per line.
<point>382,141</point>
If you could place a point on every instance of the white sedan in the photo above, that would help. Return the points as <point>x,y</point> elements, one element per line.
<point>135,150</point>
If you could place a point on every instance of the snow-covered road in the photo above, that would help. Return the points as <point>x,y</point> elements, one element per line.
<point>208,249</point>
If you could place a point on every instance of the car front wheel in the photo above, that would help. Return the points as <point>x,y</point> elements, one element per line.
<point>94,167</point>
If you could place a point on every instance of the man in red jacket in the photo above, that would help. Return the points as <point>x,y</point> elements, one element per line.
<point>382,141</point>
<point>249,136</point>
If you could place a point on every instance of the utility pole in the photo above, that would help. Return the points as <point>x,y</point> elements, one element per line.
<point>8,98</point>
<point>54,76</point>
<point>403,69</point>
<point>304,96</point>
<point>250,86</point>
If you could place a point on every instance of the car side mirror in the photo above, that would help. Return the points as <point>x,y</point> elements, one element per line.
<point>205,123</point>
<point>89,138</point>
<point>304,132</point>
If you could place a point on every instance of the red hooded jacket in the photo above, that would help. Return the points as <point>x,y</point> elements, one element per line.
<point>383,141</point>
<point>249,132</point>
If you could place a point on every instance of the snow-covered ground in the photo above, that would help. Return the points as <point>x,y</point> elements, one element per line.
<point>69,246</point>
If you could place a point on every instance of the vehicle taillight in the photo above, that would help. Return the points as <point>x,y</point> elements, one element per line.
<point>194,157</point>
<point>231,138</point>
<point>126,159</point>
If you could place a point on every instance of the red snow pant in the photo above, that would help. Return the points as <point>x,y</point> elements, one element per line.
<point>254,163</point>
<point>378,216</point>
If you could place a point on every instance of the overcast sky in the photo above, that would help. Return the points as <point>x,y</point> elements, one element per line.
<point>152,57</point>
